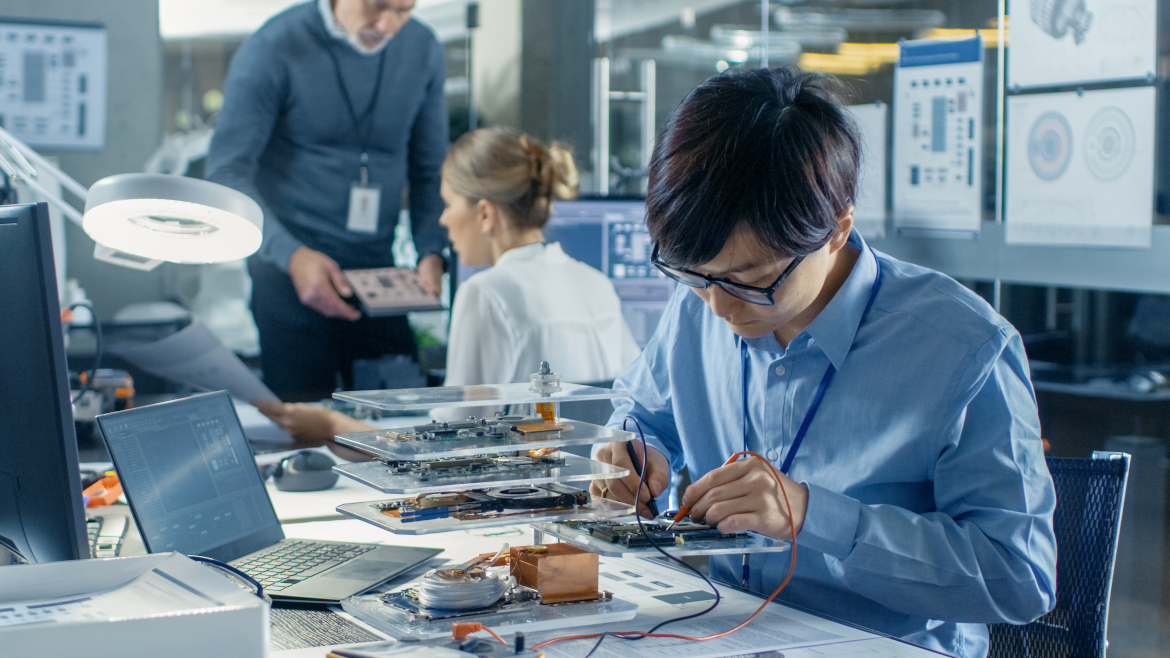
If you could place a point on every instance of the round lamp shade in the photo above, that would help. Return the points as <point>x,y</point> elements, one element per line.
<point>172,218</point>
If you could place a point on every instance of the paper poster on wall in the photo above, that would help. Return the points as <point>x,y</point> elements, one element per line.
<point>1062,42</point>
<point>53,83</point>
<point>938,136</point>
<point>869,208</point>
<point>1080,168</point>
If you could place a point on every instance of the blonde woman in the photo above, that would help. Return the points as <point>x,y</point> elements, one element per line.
<point>534,303</point>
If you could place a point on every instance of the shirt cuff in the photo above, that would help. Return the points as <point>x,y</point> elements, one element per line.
<point>830,522</point>
<point>280,249</point>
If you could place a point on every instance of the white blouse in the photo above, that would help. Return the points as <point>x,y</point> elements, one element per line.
<point>536,304</point>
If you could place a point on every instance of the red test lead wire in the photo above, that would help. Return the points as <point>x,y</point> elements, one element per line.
<point>682,513</point>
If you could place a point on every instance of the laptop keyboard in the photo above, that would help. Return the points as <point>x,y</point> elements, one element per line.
<point>289,562</point>
<point>105,534</point>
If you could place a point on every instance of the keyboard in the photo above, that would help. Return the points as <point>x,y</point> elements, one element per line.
<point>288,562</point>
<point>106,534</point>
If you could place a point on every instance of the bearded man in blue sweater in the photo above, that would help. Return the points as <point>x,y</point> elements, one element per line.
<point>332,110</point>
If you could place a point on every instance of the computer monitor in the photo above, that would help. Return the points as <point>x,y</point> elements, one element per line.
<point>611,235</point>
<point>41,514</point>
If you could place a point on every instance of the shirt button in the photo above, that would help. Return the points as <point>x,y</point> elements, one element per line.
<point>780,371</point>
<point>772,455</point>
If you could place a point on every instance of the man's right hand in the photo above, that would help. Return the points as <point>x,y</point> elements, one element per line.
<point>320,284</point>
<point>622,489</point>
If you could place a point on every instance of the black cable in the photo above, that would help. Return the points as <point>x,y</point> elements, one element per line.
<point>646,535</point>
<point>223,566</point>
<point>88,384</point>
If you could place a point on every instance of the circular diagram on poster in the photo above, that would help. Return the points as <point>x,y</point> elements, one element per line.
<point>1110,143</point>
<point>1050,145</point>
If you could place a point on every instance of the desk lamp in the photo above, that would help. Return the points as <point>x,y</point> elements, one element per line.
<point>141,220</point>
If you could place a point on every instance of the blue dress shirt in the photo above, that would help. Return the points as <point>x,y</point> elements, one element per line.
<point>930,504</point>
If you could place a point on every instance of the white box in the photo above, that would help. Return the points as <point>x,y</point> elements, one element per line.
<point>232,622</point>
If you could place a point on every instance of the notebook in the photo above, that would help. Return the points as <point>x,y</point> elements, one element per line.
<point>193,487</point>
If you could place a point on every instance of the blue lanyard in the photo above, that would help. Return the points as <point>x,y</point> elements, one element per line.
<point>825,381</point>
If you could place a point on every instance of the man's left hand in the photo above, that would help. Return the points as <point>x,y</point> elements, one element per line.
<point>744,496</point>
<point>430,273</point>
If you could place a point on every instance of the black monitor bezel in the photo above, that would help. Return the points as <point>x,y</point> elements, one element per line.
<point>43,477</point>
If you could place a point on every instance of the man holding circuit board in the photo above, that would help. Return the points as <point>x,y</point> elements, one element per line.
<point>888,410</point>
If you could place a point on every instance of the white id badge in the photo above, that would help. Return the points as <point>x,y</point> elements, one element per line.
<point>364,203</point>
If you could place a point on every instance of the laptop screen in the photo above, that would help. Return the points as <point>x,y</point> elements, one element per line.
<point>189,475</point>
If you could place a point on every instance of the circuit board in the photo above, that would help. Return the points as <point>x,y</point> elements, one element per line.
<point>479,504</point>
<point>500,463</point>
<point>499,428</point>
<point>631,536</point>
<point>623,538</point>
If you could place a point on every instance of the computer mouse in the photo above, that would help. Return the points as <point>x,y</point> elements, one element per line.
<point>305,471</point>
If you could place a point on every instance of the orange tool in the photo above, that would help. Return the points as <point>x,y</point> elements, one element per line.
<point>104,492</point>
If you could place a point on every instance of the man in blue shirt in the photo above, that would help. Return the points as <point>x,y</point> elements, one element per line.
<point>330,111</point>
<point>896,403</point>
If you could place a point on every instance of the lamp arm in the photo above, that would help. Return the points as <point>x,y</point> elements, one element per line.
<point>22,163</point>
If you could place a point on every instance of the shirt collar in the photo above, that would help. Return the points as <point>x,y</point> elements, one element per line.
<point>530,252</point>
<point>836,325</point>
<point>331,26</point>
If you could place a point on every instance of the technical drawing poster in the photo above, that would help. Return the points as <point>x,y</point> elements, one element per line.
<point>938,135</point>
<point>869,208</point>
<point>1061,42</point>
<point>53,84</point>
<point>1080,168</point>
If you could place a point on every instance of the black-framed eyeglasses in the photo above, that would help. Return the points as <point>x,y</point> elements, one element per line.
<point>750,294</point>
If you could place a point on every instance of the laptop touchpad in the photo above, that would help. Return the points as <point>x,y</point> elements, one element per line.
<point>366,570</point>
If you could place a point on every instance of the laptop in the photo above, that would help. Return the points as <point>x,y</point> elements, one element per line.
<point>194,487</point>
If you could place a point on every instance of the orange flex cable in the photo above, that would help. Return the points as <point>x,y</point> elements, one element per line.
<point>791,569</point>
<point>545,411</point>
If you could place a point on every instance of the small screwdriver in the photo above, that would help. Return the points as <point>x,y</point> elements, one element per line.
<point>682,514</point>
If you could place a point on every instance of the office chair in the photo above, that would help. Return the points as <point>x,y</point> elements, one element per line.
<point>1090,494</point>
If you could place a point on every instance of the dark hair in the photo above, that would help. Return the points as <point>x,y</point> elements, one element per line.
<point>770,148</point>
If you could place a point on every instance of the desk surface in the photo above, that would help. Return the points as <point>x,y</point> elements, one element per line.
<point>661,591</point>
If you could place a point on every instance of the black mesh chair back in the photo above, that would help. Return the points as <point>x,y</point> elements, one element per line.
<point>1089,497</point>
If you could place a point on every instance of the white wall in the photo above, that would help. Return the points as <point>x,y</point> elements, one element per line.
<point>134,94</point>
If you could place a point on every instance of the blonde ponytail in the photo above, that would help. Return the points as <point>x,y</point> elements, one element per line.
<point>516,173</point>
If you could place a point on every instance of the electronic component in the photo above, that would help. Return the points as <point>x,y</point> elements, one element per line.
<point>499,428</point>
<point>527,576</point>
<point>562,573</point>
<point>484,503</point>
<point>630,535</point>
<point>624,538</point>
<point>390,291</point>
<point>513,462</point>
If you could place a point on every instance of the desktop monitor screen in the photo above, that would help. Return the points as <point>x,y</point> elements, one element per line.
<point>41,515</point>
<point>611,236</point>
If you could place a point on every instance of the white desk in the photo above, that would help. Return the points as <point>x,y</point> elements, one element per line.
<point>655,588</point>
<point>312,515</point>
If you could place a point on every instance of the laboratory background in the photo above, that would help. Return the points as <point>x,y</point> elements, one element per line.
<point>1019,147</point>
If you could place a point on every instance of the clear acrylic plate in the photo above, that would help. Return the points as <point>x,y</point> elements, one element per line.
<point>399,624</point>
<point>407,399</point>
<point>753,543</point>
<point>598,508</point>
<point>377,475</point>
<point>375,441</point>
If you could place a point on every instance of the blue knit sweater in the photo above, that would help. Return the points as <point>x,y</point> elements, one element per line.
<point>286,139</point>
